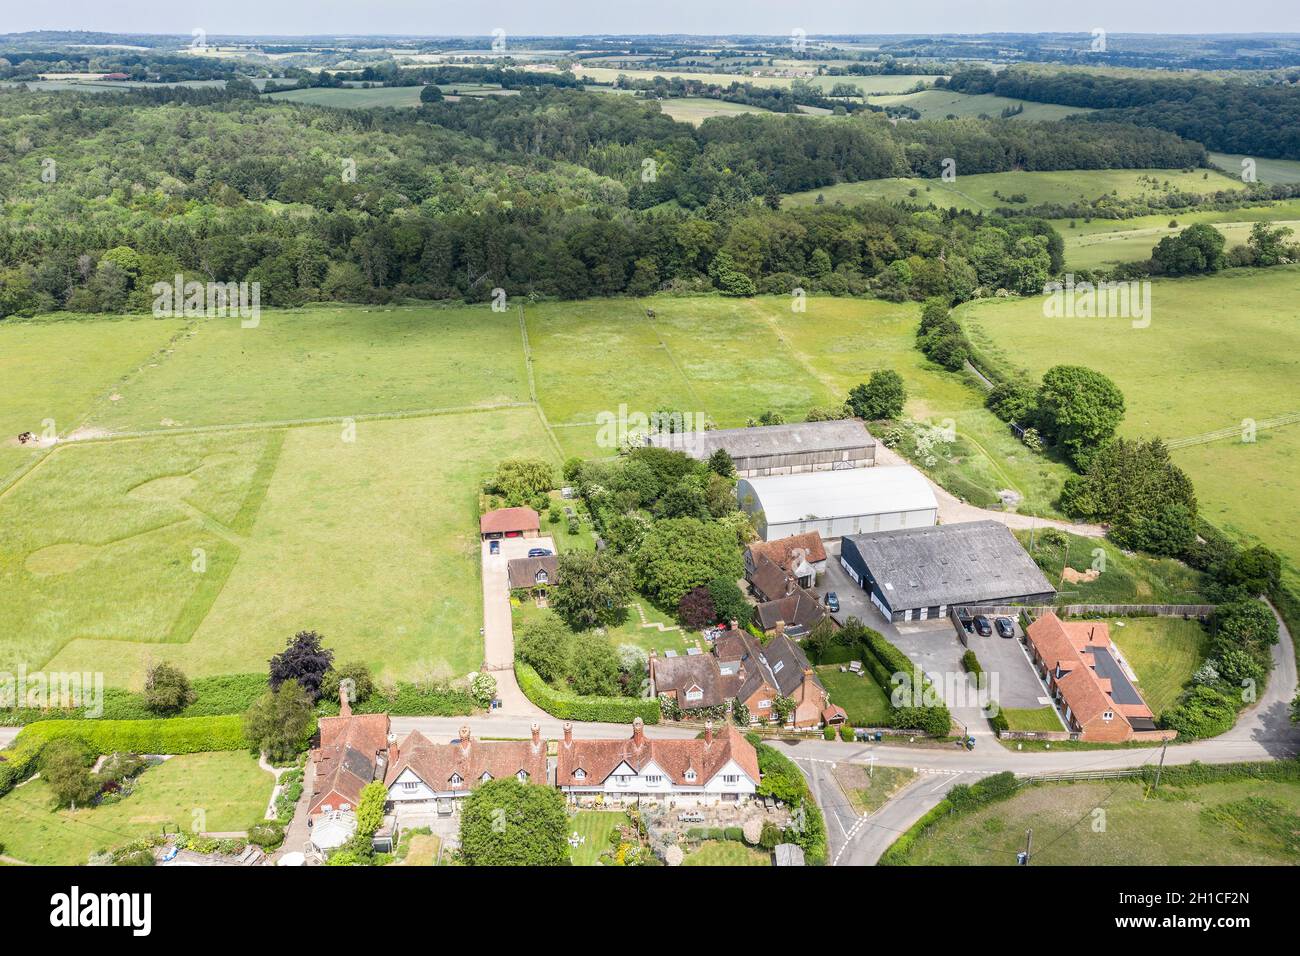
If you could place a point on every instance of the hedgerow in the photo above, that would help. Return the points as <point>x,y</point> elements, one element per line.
<point>567,706</point>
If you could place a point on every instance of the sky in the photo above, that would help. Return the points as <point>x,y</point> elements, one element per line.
<point>578,17</point>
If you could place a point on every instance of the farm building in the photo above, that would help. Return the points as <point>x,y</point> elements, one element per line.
<point>509,523</point>
<point>780,449</point>
<point>917,574</point>
<point>836,503</point>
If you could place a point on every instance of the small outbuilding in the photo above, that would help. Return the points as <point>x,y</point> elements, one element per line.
<point>509,523</point>
<point>917,574</point>
<point>839,503</point>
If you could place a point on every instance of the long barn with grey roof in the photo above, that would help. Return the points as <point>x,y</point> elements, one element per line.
<point>919,573</point>
<point>779,449</point>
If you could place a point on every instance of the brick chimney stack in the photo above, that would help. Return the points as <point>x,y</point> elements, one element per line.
<point>345,707</point>
<point>537,735</point>
<point>568,735</point>
<point>708,734</point>
<point>465,739</point>
<point>638,733</point>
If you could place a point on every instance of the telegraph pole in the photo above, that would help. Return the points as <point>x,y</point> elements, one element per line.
<point>1029,844</point>
<point>1163,747</point>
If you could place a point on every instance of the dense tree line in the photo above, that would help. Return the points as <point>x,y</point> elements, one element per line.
<point>1231,116</point>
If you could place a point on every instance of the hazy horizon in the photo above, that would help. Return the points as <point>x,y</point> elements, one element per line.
<point>666,18</point>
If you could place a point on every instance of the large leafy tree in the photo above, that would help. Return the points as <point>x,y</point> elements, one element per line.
<point>1197,248</point>
<point>65,767</point>
<point>594,666</point>
<point>519,480</point>
<point>678,554</point>
<point>882,396</point>
<point>544,643</point>
<point>508,823</point>
<point>594,589</point>
<point>279,722</point>
<point>1080,409</point>
<point>167,689</point>
<point>304,661</point>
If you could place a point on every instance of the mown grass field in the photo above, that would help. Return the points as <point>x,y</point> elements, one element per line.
<point>1246,823</point>
<point>696,109</point>
<point>1218,351</point>
<point>866,85</point>
<point>977,191</point>
<point>234,486</point>
<point>941,104</point>
<point>1103,243</point>
<point>230,790</point>
<point>1266,170</point>
<point>351,97</point>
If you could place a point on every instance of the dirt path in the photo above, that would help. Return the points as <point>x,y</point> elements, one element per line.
<point>953,510</point>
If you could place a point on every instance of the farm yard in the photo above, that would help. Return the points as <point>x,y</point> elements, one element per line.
<point>1235,334</point>
<point>210,445</point>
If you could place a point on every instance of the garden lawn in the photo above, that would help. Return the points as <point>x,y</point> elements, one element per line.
<point>1163,652</point>
<point>1250,823</point>
<point>860,696</point>
<point>1235,337</point>
<point>424,850</point>
<point>229,788</point>
<point>1032,718</point>
<point>727,853</point>
<point>595,826</point>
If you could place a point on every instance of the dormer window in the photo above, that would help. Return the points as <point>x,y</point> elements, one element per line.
<point>485,778</point>
<point>456,780</point>
<point>694,694</point>
<point>579,774</point>
<point>541,577</point>
<point>522,776</point>
<point>690,776</point>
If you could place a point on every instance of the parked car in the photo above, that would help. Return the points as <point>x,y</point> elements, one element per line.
<point>1005,627</point>
<point>494,547</point>
<point>982,626</point>
<point>832,602</point>
<point>538,552</point>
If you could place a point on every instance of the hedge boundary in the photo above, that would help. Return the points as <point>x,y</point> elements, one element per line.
<point>569,706</point>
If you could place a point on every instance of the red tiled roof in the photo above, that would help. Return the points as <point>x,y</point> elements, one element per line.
<point>600,758</point>
<point>347,756</point>
<point>783,551</point>
<point>509,519</point>
<point>1067,646</point>
<point>467,758</point>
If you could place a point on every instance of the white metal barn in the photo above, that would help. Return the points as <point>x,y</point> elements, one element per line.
<point>836,503</point>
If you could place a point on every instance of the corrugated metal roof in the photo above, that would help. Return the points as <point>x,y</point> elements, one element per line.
<point>768,439</point>
<point>838,494</point>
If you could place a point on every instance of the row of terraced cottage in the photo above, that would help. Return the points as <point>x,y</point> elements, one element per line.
<point>419,773</point>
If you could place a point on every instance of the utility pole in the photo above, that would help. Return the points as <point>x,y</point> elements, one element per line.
<point>1163,747</point>
<point>1029,845</point>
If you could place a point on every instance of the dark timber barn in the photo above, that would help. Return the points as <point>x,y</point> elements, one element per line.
<point>918,573</point>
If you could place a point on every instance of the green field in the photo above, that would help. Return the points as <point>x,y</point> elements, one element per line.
<point>1266,170</point>
<point>230,789</point>
<point>1246,823</point>
<point>867,85</point>
<point>1233,339</point>
<point>351,97</point>
<point>1122,578</point>
<point>1103,243</point>
<point>696,109</point>
<point>941,104</point>
<point>860,696</point>
<point>977,192</point>
<point>233,486</point>
<point>1163,652</point>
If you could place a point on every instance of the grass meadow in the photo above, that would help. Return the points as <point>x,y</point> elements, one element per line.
<point>230,789</point>
<point>977,191</point>
<point>1218,350</point>
<point>940,104</point>
<point>696,109</point>
<point>1241,823</point>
